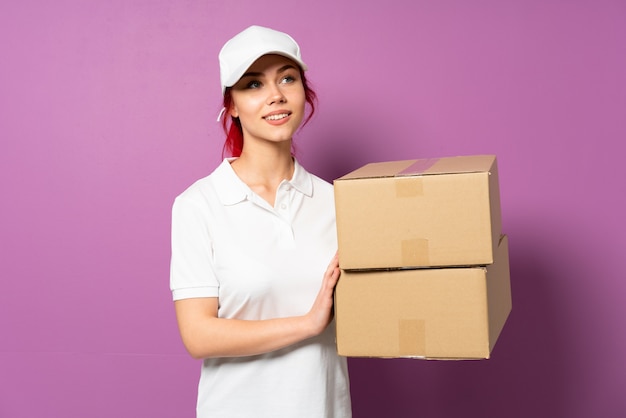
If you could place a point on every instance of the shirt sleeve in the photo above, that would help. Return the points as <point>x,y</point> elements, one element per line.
<point>192,273</point>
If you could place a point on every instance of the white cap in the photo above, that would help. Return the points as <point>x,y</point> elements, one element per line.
<point>240,52</point>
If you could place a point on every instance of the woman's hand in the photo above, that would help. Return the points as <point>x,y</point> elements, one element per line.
<point>321,312</point>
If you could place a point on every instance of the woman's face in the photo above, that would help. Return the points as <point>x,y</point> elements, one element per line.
<point>269,100</point>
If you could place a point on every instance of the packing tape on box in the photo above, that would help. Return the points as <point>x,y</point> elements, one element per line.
<point>415,252</point>
<point>412,337</point>
<point>418,167</point>
<point>408,187</point>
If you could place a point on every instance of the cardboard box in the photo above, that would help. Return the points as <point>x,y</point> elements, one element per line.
<point>419,213</point>
<point>443,313</point>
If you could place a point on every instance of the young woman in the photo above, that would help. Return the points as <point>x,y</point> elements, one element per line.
<point>254,262</point>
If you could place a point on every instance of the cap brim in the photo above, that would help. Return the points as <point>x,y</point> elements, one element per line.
<point>241,70</point>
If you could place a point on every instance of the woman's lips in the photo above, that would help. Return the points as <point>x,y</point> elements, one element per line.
<point>277,118</point>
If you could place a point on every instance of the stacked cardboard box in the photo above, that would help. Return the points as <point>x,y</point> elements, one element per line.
<point>425,269</point>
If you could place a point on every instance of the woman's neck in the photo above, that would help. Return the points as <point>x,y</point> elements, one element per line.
<point>264,168</point>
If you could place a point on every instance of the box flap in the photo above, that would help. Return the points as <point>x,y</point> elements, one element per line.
<point>382,169</point>
<point>427,166</point>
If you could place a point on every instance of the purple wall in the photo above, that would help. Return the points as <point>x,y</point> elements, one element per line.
<point>107,111</point>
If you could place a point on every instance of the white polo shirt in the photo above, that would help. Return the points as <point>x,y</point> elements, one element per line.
<point>261,262</point>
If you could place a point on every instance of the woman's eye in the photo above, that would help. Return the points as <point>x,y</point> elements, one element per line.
<point>253,85</point>
<point>287,79</point>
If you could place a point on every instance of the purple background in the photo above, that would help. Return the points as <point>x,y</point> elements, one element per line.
<point>107,112</point>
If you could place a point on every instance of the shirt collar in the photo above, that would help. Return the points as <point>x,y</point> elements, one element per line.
<point>231,190</point>
<point>301,180</point>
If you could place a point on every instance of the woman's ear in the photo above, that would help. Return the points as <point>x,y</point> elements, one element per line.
<point>233,111</point>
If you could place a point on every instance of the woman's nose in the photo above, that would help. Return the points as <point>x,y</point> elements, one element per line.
<point>276,95</point>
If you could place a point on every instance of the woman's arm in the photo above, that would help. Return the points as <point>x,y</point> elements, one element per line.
<point>204,334</point>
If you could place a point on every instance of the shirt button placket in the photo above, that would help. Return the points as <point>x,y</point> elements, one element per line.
<point>283,207</point>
